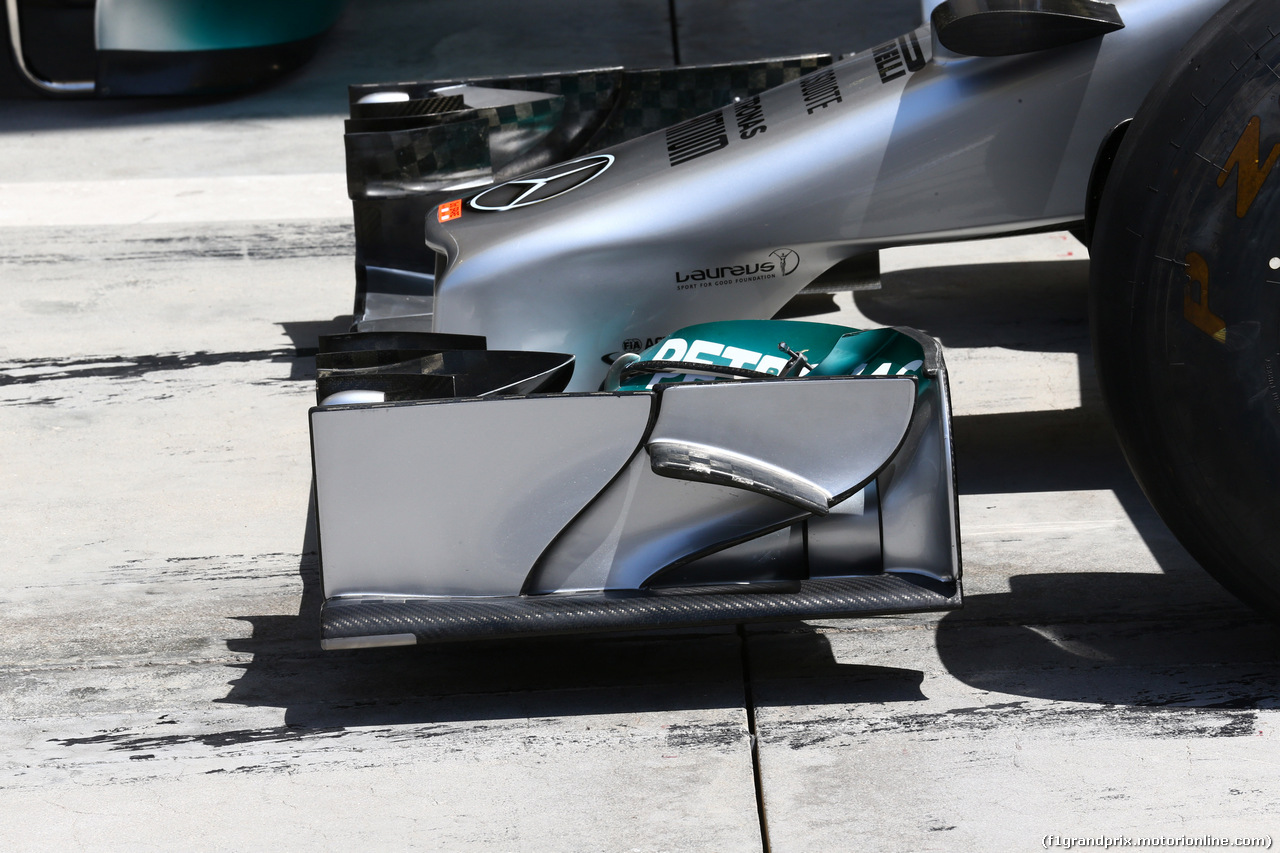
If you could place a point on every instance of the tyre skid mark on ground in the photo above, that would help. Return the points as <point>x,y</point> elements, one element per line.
<point>684,736</point>
<point>36,370</point>
<point>222,567</point>
<point>1213,720</point>
<point>111,244</point>
<point>38,401</point>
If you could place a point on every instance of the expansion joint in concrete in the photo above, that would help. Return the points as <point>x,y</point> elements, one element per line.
<point>749,704</point>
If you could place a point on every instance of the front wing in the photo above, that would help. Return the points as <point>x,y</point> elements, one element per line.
<point>507,514</point>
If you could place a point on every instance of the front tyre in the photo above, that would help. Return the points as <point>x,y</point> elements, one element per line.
<point>1185,290</point>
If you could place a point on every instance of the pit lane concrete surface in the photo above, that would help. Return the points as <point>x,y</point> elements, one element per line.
<point>165,270</point>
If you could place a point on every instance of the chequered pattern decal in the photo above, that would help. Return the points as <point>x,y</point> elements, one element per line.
<point>653,100</point>
<point>528,113</point>
<point>416,159</point>
<point>591,110</point>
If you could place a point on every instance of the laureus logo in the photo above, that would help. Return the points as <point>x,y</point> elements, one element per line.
<point>784,263</point>
<point>543,185</point>
<point>788,260</point>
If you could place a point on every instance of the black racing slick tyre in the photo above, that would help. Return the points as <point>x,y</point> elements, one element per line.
<point>1185,295</point>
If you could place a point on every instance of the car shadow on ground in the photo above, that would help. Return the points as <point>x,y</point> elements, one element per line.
<point>1137,639</point>
<point>1115,638</point>
<point>1041,306</point>
<point>1141,655</point>
<point>531,677</point>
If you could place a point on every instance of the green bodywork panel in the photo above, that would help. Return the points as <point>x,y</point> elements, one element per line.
<point>178,25</point>
<point>761,347</point>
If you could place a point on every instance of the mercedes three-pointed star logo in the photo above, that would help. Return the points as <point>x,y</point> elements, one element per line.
<point>544,185</point>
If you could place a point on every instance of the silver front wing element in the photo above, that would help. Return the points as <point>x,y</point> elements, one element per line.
<point>699,503</point>
<point>730,214</point>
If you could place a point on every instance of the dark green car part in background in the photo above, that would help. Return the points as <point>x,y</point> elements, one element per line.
<point>162,47</point>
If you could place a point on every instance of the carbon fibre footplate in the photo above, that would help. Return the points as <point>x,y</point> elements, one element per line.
<point>362,622</point>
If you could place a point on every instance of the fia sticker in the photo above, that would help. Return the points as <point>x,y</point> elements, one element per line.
<point>450,210</point>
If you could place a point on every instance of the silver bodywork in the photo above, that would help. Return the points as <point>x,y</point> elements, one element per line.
<point>703,503</point>
<point>520,501</point>
<point>577,493</point>
<point>907,143</point>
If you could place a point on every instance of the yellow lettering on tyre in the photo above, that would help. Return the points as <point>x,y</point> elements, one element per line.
<point>1195,302</point>
<point>1250,175</point>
